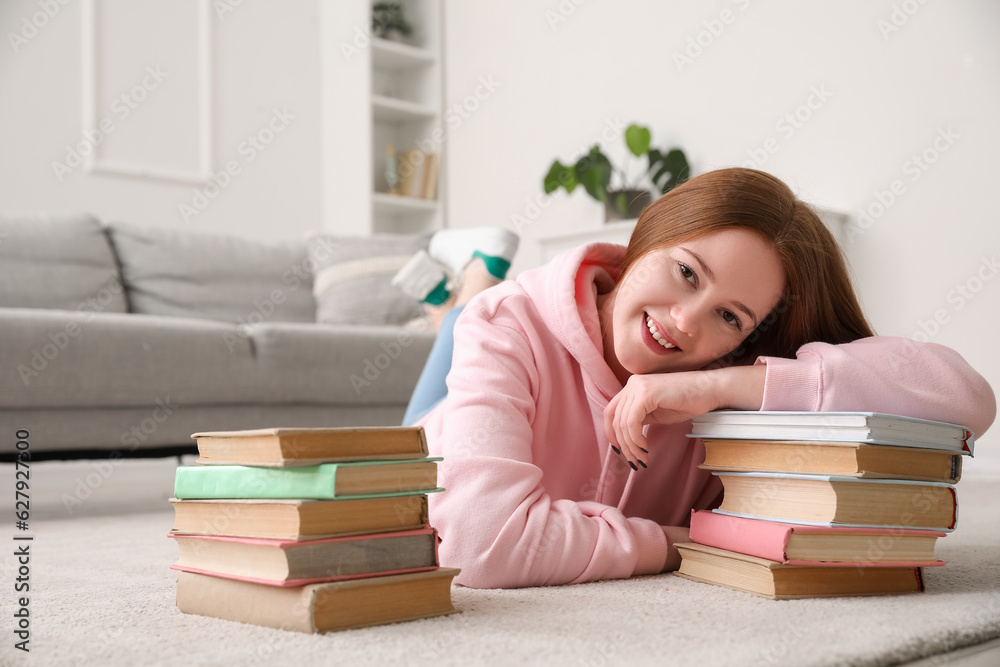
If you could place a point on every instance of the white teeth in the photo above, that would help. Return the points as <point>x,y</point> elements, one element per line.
<point>657,335</point>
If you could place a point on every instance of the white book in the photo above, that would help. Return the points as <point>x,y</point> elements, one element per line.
<point>867,427</point>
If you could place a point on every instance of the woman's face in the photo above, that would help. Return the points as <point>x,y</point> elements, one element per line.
<point>702,298</point>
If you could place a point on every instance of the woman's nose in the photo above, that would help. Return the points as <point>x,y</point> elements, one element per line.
<point>686,317</point>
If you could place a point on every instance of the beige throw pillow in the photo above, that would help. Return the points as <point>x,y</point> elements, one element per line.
<point>352,278</point>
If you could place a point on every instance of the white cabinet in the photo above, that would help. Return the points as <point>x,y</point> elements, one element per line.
<point>620,231</point>
<point>611,232</point>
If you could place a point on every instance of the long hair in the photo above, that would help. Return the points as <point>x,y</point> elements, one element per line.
<point>818,304</point>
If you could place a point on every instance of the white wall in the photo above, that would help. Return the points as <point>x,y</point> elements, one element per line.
<point>541,79</point>
<point>265,55</point>
<point>561,81</point>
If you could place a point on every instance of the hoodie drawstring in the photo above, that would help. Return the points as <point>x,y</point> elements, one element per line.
<point>631,477</point>
<point>627,491</point>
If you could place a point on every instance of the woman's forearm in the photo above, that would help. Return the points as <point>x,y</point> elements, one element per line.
<point>675,535</point>
<point>739,387</point>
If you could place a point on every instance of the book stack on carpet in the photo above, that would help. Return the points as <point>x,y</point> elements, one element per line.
<point>820,504</point>
<point>309,530</point>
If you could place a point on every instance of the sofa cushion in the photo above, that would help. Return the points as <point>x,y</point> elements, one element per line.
<point>342,364</point>
<point>56,358</point>
<point>180,273</point>
<point>60,359</point>
<point>62,262</point>
<point>353,274</point>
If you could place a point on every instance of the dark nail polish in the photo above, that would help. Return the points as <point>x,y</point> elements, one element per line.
<point>644,451</point>
<point>633,465</point>
<point>643,464</point>
<point>617,451</point>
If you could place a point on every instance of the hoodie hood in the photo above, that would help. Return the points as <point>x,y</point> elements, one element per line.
<point>565,292</point>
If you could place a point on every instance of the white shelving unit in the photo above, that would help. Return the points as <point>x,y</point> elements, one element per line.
<point>401,105</point>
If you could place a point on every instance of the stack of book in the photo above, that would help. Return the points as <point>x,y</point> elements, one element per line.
<point>309,529</point>
<point>820,504</point>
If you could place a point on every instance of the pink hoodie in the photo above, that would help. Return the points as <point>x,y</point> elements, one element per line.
<point>535,495</point>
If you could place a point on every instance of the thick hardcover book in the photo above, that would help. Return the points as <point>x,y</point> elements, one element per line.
<point>310,446</point>
<point>778,581</point>
<point>295,563</point>
<point>357,479</point>
<point>295,519</point>
<point>321,607</point>
<point>874,428</point>
<point>796,544</point>
<point>853,459</point>
<point>847,501</point>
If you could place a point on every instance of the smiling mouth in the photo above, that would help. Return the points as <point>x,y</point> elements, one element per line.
<point>656,335</point>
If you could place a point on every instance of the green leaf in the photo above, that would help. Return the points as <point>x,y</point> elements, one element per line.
<point>560,176</point>
<point>637,139</point>
<point>621,201</point>
<point>593,171</point>
<point>668,171</point>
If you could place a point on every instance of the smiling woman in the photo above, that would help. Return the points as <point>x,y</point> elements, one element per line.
<point>684,311</point>
<point>561,384</point>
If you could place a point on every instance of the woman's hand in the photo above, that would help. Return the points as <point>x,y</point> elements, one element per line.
<point>671,398</point>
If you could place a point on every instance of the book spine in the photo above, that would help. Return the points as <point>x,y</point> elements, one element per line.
<point>294,583</point>
<point>754,538</point>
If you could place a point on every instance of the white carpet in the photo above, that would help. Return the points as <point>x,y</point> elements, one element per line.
<point>102,593</point>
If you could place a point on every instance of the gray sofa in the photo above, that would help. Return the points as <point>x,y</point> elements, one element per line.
<point>120,339</point>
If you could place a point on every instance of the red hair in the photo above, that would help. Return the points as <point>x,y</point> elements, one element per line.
<point>818,304</point>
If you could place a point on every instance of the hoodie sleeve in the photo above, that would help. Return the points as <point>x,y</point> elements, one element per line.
<point>881,374</point>
<point>496,520</point>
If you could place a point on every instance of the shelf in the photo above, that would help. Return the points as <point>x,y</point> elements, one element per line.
<point>389,109</point>
<point>383,202</point>
<point>395,55</point>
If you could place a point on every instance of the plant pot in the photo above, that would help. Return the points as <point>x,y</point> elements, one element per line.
<point>636,200</point>
<point>392,34</point>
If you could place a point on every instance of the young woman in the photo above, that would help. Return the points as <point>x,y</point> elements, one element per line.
<point>570,391</point>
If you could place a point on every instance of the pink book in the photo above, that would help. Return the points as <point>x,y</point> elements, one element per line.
<point>836,545</point>
<point>281,562</point>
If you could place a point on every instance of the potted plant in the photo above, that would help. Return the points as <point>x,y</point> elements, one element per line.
<point>389,22</point>
<point>628,197</point>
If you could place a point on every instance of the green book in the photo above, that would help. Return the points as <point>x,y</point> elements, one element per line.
<point>358,479</point>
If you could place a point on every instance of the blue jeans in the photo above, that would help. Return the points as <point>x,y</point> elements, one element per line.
<point>431,388</point>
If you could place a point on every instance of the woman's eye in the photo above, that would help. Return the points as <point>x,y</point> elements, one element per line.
<point>688,274</point>
<point>731,319</point>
